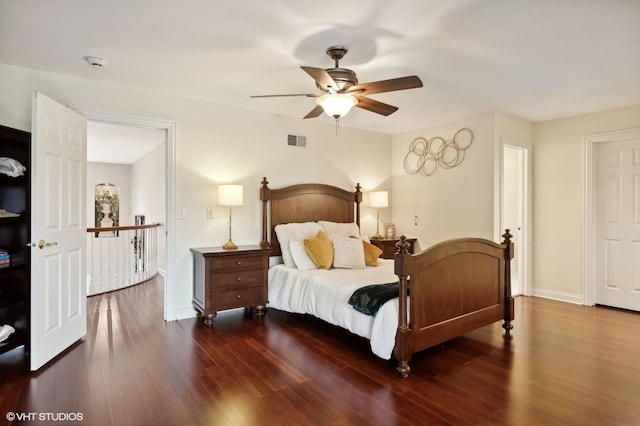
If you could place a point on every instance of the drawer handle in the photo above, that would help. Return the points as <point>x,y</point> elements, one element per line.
<point>238,262</point>
<point>238,296</point>
<point>238,278</point>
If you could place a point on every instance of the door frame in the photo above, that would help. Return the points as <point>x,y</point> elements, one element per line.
<point>170,128</point>
<point>589,243</point>
<point>525,250</point>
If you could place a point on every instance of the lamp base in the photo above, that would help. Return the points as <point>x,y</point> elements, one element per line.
<point>376,236</point>
<point>230,245</point>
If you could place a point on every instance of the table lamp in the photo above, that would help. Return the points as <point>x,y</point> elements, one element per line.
<point>378,199</point>
<point>230,195</point>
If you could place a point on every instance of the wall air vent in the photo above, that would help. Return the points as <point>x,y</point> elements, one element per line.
<point>296,140</point>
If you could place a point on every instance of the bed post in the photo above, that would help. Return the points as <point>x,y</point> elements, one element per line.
<point>403,348</point>
<point>358,200</point>
<point>508,299</point>
<point>264,197</point>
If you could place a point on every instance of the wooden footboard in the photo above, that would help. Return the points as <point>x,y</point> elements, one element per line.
<point>456,286</point>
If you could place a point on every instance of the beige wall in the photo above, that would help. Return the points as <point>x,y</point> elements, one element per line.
<point>456,202</point>
<point>219,144</point>
<point>147,186</point>
<point>559,199</point>
<point>117,174</point>
<point>216,144</point>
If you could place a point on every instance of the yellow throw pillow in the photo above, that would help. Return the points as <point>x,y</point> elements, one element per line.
<point>371,254</point>
<point>320,250</point>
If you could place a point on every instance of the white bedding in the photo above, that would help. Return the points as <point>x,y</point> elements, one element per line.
<point>325,295</point>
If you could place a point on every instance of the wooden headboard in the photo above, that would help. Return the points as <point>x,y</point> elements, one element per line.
<point>308,202</point>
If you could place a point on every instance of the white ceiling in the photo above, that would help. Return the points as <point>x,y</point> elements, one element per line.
<point>120,144</point>
<point>535,59</point>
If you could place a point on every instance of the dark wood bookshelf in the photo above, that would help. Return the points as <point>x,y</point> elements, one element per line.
<point>15,197</point>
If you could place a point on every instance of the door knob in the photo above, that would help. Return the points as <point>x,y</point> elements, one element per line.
<point>42,244</point>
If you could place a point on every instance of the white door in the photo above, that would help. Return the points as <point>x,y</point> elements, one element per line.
<point>617,219</point>
<point>516,209</point>
<point>58,229</point>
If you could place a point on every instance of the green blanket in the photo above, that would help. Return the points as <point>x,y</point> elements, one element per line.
<point>370,298</point>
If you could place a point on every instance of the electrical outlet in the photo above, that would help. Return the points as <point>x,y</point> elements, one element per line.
<point>415,220</point>
<point>209,212</point>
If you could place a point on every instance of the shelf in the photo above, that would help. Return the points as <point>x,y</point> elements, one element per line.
<point>14,341</point>
<point>15,197</point>
<point>12,300</point>
<point>18,180</point>
<point>17,261</point>
<point>14,267</point>
<point>10,220</point>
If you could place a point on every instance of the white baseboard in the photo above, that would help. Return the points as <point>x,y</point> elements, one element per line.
<point>559,295</point>
<point>187,312</point>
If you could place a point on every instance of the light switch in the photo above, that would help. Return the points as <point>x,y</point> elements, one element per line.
<point>182,213</point>
<point>209,212</point>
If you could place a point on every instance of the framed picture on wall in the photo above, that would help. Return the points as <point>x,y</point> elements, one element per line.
<point>389,230</point>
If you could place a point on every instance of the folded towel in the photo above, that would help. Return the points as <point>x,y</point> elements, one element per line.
<point>11,167</point>
<point>5,332</point>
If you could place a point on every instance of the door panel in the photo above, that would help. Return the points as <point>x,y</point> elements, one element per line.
<point>52,293</point>
<point>58,290</point>
<point>52,192</point>
<point>618,224</point>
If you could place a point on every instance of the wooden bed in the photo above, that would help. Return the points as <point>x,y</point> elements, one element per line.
<point>457,285</point>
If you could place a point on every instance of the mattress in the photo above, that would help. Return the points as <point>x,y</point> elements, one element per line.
<point>325,294</point>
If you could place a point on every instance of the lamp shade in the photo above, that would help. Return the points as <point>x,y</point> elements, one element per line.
<point>230,195</point>
<point>379,199</point>
<point>336,105</point>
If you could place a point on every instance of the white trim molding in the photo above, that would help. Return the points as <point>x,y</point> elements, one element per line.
<point>589,208</point>
<point>170,183</point>
<point>559,295</point>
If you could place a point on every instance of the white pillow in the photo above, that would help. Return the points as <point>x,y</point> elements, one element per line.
<point>287,232</point>
<point>300,256</point>
<point>338,228</point>
<point>348,252</point>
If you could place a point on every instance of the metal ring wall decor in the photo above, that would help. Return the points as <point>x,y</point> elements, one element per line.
<point>425,156</point>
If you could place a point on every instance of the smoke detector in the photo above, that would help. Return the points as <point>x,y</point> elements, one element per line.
<point>94,61</point>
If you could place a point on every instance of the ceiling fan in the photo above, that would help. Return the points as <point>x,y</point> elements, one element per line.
<point>340,90</point>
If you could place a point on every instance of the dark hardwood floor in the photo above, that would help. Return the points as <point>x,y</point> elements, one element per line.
<point>564,365</point>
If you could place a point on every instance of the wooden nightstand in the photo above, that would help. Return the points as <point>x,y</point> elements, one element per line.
<point>388,246</point>
<point>226,279</point>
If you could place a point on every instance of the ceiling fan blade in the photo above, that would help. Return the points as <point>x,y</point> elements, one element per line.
<point>322,77</point>
<point>314,112</point>
<point>309,95</point>
<point>401,83</point>
<point>375,106</point>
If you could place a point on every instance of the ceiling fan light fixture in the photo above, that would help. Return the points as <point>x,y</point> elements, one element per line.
<point>336,105</point>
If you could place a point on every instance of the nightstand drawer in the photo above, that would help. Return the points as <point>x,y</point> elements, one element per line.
<point>244,278</point>
<point>238,296</point>
<point>388,250</point>
<point>236,263</point>
<point>227,279</point>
